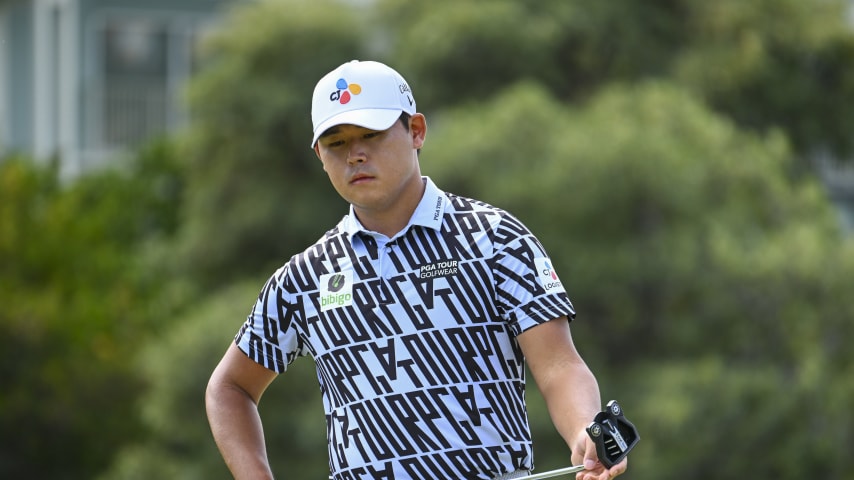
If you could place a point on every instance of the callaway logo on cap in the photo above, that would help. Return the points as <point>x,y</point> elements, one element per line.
<point>368,94</point>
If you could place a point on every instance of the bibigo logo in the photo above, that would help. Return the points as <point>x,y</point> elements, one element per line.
<point>336,290</point>
<point>342,95</point>
<point>546,274</point>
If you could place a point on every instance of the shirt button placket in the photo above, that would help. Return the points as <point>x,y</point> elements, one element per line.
<point>386,264</point>
<point>386,270</point>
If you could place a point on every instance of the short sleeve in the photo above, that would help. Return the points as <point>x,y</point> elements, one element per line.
<point>270,335</point>
<point>528,289</point>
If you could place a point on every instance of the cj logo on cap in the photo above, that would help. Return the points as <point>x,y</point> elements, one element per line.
<point>342,95</point>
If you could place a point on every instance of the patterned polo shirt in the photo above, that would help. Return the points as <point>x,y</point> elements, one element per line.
<point>414,340</point>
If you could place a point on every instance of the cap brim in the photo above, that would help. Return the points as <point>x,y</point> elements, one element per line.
<point>372,118</point>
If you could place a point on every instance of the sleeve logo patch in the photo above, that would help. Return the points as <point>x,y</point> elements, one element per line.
<point>547,276</point>
<point>336,290</point>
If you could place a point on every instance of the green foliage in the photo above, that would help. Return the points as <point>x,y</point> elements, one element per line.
<point>72,294</point>
<point>457,52</point>
<point>177,367</point>
<point>776,63</point>
<point>765,64</point>
<point>678,237</point>
<point>256,191</point>
<point>662,214</point>
<point>778,424</point>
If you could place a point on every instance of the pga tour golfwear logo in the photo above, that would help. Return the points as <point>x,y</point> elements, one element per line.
<point>336,290</point>
<point>547,275</point>
<point>438,269</point>
<point>342,95</point>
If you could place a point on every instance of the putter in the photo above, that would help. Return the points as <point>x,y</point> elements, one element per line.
<point>613,435</point>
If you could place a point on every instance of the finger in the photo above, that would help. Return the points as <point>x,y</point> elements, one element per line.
<point>598,473</point>
<point>619,468</point>
<point>591,473</point>
<point>581,448</point>
<point>591,459</point>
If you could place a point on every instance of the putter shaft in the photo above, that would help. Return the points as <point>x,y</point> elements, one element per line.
<point>554,473</point>
<point>549,474</point>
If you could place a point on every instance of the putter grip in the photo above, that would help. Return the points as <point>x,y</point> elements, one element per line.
<point>614,435</point>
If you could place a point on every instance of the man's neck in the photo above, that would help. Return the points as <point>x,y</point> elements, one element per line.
<point>390,222</point>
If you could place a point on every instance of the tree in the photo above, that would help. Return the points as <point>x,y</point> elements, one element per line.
<point>765,64</point>
<point>73,312</point>
<point>691,252</point>
<point>179,443</point>
<point>252,175</point>
<point>256,193</point>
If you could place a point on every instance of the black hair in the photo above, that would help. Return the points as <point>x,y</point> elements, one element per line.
<point>404,119</point>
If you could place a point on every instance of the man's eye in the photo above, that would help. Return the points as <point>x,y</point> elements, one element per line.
<point>372,134</point>
<point>336,143</point>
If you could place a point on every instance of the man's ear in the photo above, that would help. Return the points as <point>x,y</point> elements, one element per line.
<point>317,149</point>
<point>418,129</point>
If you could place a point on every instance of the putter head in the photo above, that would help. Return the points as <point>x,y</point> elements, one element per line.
<point>613,434</point>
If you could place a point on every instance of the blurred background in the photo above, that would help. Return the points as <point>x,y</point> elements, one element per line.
<point>687,163</point>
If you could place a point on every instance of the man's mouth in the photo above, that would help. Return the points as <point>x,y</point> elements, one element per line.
<point>360,178</point>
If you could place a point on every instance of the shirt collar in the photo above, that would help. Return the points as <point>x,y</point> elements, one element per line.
<point>428,213</point>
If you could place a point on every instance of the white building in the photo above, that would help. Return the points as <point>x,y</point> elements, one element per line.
<point>87,79</point>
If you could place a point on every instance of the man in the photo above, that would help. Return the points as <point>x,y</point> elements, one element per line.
<point>420,309</point>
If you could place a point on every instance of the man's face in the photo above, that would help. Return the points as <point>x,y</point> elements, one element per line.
<point>373,169</point>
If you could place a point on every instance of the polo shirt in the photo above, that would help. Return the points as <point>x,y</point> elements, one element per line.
<point>414,338</point>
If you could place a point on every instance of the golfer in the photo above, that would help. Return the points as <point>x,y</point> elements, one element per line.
<point>420,309</point>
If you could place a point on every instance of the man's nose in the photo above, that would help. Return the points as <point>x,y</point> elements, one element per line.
<point>356,153</point>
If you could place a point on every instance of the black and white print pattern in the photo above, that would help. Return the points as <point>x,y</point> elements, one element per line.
<point>414,339</point>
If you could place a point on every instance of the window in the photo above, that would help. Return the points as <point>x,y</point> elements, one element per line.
<point>138,66</point>
<point>135,70</point>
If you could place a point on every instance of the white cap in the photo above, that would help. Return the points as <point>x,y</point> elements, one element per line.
<point>368,94</point>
